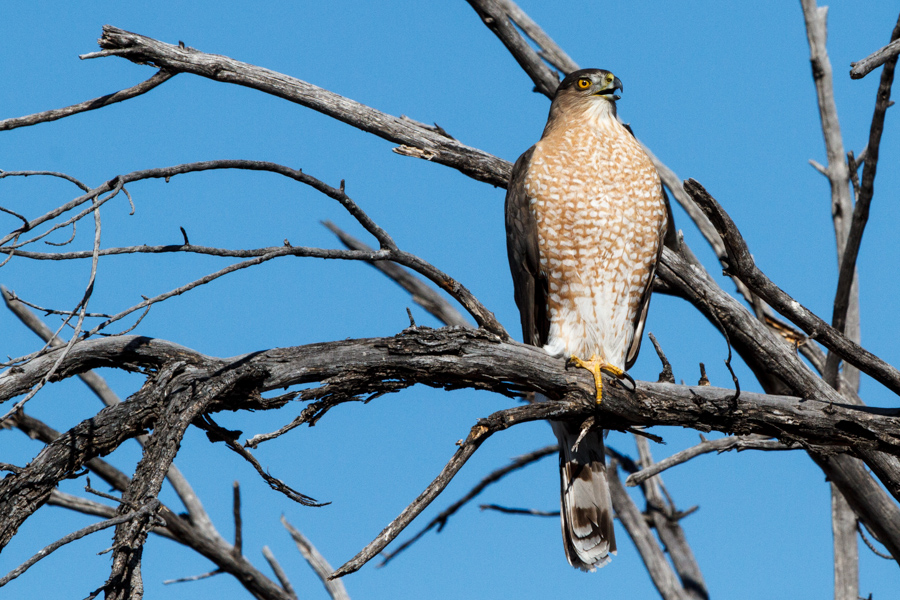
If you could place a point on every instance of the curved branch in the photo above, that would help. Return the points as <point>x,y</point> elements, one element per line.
<point>389,250</point>
<point>441,520</point>
<point>743,265</point>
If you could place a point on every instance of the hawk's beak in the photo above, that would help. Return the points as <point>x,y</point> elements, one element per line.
<point>616,85</point>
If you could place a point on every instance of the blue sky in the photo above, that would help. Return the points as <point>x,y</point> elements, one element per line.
<point>721,92</point>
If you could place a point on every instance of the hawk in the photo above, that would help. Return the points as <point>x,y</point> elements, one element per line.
<point>585,223</point>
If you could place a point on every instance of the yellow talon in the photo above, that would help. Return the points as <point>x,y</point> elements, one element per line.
<point>596,366</point>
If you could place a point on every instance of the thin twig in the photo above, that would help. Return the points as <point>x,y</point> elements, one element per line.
<point>860,526</point>
<point>478,434</point>
<point>422,294</point>
<point>59,113</point>
<point>441,520</point>
<point>193,577</point>
<point>279,572</point>
<point>238,522</point>
<point>81,308</point>
<point>217,433</point>
<point>666,375</point>
<point>738,442</point>
<point>519,511</point>
<point>149,508</point>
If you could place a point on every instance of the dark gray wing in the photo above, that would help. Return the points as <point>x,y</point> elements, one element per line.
<point>668,238</point>
<point>524,258</point>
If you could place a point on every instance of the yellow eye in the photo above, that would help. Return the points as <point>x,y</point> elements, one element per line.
<point>583,83</point>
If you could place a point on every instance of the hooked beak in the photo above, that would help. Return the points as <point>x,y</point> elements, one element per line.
<point>616,85</point>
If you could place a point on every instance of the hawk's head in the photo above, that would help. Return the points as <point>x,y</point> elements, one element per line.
<point>588,83</point>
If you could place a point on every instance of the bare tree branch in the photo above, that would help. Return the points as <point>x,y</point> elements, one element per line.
<point>766,356</point>
<point>742,264</point>
<point>549,50</point>
<point>663,515</point>
<point>846,550</point>
<point>519,511</point>
<point>441,520</point>
<point>815,18</point>
<point>220,434</point>
<point>98,385</point>
<point>739,443</point>
<point>279,572</point>
<point>59,113</point>
<point>661,573</point>
<point>182,530</point>
<point>494,14</point>
<point>389,250</point>
<point>334,587</point>
<point>863,67</point>
<point>431,145</point>
<point>422,294</point>
<point>843,298</point>
<point>147,511</point>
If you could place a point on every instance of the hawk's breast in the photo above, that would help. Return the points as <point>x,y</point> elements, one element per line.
<point>600,215</point>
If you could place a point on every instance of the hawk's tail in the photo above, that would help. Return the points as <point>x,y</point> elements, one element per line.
<point>586,508</point>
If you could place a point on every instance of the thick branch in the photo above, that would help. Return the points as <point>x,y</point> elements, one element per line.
<point>454,358</point>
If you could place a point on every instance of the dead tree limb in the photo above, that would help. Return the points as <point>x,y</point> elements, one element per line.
<point>59,113</point>
<point>415,140</point>
<point>742,264</point>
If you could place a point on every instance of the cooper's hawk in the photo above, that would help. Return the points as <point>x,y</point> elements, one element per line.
<point>585,221</point>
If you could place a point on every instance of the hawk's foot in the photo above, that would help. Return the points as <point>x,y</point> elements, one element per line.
<point>596,366</point>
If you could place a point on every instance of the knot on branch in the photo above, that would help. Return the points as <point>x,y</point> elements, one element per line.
<point>425,341</point>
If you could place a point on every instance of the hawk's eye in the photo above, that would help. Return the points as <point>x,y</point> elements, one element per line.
<point>583,83</point>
